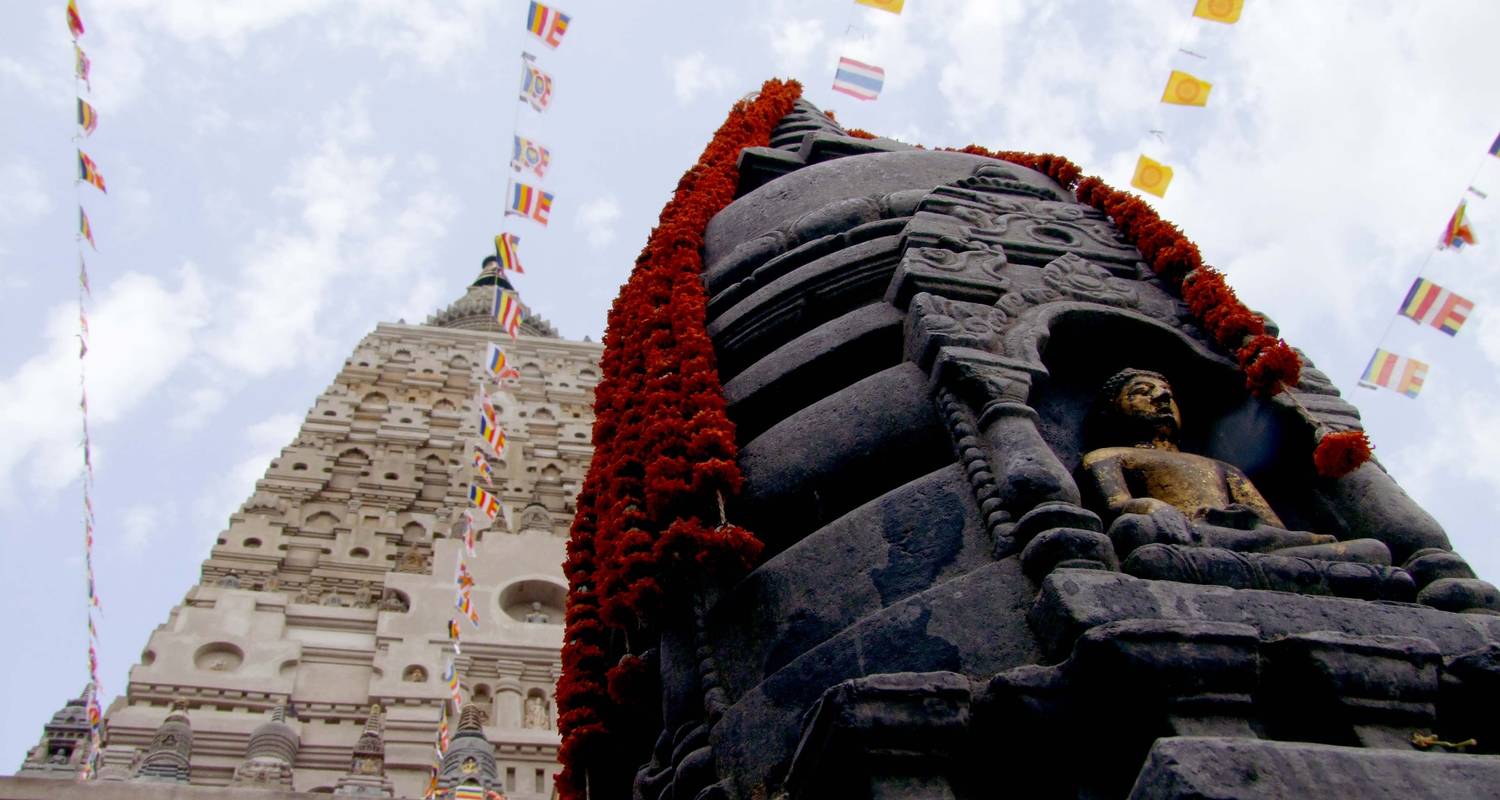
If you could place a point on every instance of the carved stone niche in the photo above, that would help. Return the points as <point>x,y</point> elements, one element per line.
<point>1077,346</point>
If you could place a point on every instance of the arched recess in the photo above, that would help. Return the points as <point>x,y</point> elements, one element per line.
<point>320,522</point>
<point>1081,345</point>
<point>547,594</point>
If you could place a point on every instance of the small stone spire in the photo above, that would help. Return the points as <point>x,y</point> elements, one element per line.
<point>270,755</point>
<point>366,776</point>
<point>472,311</point>
<point>65,740</point>
<point>166,759</point>
<point>470,759</point>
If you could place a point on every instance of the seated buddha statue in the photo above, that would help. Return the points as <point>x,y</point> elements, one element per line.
<point>1152,492</point>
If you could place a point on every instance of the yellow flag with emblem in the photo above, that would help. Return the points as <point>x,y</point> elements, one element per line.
<point>1185,90</point>
<point>1151,176</point>
<point>893,6</point>
<point>1225,11</point>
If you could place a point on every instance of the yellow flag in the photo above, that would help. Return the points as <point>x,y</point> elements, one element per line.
<point>1225,11</point>
<point>1151,176</point>
<point>1185,90</point>
<point>893,6</point>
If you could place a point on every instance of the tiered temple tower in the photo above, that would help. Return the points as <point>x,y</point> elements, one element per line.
<point>331,588</point>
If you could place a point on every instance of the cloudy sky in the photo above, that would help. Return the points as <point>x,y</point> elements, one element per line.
<point>284,174</point>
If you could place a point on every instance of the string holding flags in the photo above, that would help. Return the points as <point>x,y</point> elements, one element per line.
<point>88,172</point>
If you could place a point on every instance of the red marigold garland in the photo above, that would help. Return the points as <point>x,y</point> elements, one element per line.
<point>1269,363</point>
<point>649,525</point>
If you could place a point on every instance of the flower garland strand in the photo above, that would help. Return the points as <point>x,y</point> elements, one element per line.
<point>1269,363</point>
<point>649,528</point>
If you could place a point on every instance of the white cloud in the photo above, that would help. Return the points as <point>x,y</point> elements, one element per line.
<point>140,523</point>
<point>793,41</point>
<point>597,220</point>
<point>141,332</point>
<point>200,404</point>
<point>22,198</point>
<point>694,74</point>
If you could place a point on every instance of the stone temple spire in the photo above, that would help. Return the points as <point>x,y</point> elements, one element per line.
<point>470,759</point>
<point>271,754</point>
<point>472,311</point>
<point>64,742</point>
<point>166,760</point>
<point>366,776</point>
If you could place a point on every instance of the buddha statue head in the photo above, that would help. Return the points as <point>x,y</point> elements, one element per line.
<point>1135,407</point>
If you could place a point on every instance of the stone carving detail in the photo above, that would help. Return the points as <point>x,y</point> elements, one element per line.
<point>536,616</point>
<point>536,713</point>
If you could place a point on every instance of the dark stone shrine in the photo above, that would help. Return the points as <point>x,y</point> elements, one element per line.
<point>1022,518</point>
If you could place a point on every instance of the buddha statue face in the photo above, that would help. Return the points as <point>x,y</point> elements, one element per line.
<point>1136,407</point>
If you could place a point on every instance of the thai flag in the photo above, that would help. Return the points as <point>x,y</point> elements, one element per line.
<point>858,79</point>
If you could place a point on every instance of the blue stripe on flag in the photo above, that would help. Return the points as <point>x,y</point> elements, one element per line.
<point>862,81</point>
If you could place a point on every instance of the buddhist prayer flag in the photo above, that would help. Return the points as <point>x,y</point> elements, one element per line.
<point>893,6</point>
<point>1225,11</point>
<point>494,361</point>
<point>536,85</point>
<point>75,22</point>
<point>494,436</point>
<point>86,231</point>
<point>506,254</point>
<point>1151,176</point>
<point>88,118</point>
<point>81,65</point>
<point>507,311</point>
<point>89,171</point>
<point>547,24</point>
<point>453,633</point>
<point>1495,146</point>
<point>1185,90</point>
<point>1433,305</point>
<point>1399,373</point>
<point>528,154</point>
<point>468,792</point>
<point>482,464</point>
<point>529,201</point>
<point>463,578</point>
<point>484,501</point>
<point>468,518</point>
<point>858,79</point>
<point>1458,233</point>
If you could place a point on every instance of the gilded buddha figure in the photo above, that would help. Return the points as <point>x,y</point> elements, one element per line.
<point>1153,492</point>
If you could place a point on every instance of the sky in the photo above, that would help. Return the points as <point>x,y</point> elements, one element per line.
<point>285,174</point>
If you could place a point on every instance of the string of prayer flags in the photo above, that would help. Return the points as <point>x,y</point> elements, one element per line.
<point>893,6</point>
<point>536,85</point>
<point>88,118</point>
<point>529,154</point>
<point>1186,90</point>
<point>1457,233</point>
<point>485,502</point>
<point>507,311</point>
<point>547,23</point>
<point>1430,304</point>
<point>1151,176</point>
<point>529,201</point>
<point>88,171</point>
<point>858,79</point>
<point>1225,11</point>
<point>1398,373</point>
<point>506,254</point>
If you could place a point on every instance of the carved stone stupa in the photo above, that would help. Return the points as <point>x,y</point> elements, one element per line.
<point>1022,518</point>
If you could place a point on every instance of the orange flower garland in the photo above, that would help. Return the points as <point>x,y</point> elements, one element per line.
<point>648,528</point>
